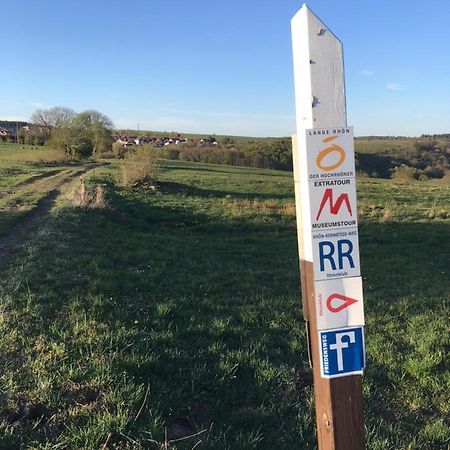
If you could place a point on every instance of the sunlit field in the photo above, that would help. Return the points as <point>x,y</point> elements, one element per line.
<point>169,316</point>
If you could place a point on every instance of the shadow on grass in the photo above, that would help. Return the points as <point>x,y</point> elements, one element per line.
<point>401,259</point>
<point>207,313</point>
<point>236,170</point>
<point>406,272</point>
<point>8,219</point>
<point>170,187</point>
<point>64,163</point>
<point>10,171</point>
<point>378,165</point>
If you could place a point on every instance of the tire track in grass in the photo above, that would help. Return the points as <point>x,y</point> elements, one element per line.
<point>29,182</point>
<point>17,234</point>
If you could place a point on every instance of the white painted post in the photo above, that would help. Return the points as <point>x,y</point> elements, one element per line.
<point>325,194</point>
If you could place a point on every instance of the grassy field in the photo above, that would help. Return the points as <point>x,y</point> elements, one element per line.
<point>156,315</point>
<point>392,147</point>
<point>27,176</point>
<point>20,164</point>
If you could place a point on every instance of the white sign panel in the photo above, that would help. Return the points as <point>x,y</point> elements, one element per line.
<point>335,253</point>
<point>339,303</point>
<point>330,153</point>
<point>333,203</point>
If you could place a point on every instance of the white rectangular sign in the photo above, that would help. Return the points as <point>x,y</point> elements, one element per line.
<point>333,203</point>
<point>330,153</point>
<point>339,303</point>
<point>335,253</point>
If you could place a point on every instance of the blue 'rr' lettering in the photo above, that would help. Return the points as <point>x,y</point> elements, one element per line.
<point>344,251</point>
<point>346,254</point>
<point>329,255</point>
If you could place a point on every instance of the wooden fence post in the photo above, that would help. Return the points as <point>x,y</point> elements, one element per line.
<point>325,194</point>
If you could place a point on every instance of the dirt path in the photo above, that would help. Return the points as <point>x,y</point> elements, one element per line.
<point>31,180</point>
<point>18,233</point>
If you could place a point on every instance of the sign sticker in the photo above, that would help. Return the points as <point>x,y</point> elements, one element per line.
<point>342,352</point>
<point>339,303</point>
<point>331,153</point>
<point>335,254</point>
<point>333,204</point>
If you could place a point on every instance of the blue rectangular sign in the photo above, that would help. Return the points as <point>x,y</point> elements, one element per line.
<point>342,352</point>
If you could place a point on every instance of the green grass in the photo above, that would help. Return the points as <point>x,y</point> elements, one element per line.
<point>18,164</point>
<point>393,147</point>
<point>180,309</point>
<point>27,175</point>
<point>386,200</point>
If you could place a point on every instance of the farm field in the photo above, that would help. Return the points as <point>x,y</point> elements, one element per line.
<point>28,177</point>
<point>171,317</point>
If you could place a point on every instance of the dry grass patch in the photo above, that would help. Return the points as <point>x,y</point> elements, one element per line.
<point>289,209</point>
<point>389,212</point>
<point>86,195</point>
<point>369,210</point>
<point>437,212</point>
<point>245,207</point>
<point>139,169</point>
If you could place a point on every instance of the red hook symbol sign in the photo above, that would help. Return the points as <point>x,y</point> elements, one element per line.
<point>347,301</point>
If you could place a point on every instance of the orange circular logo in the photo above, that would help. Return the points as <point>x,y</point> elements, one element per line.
<point>333,148</point>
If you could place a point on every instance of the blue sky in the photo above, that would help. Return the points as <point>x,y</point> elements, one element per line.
<point>222,67</point>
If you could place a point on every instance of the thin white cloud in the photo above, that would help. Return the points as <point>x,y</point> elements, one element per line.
<point>158,124</point>
<point>242,125</point>
<point>37,104</point>
<point>367,73</point>
<point>14,118</point>
<point>221,114</point>
<point>394,87</point>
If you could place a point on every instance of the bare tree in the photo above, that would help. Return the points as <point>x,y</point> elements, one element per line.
<point>48,119</point>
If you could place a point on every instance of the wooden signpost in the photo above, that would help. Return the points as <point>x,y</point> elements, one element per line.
<point>325,195</point>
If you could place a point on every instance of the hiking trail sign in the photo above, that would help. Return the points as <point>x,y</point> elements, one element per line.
<point>327,228</point>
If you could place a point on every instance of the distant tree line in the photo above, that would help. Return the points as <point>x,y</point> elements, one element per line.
<point>267,153</point>
<point>81,135</point>
<point>12,125</point>
<point>425,157</point>
<point>436,136</point>
<point>378,138</point>
<point>421,159</point>
<point>9,130</point>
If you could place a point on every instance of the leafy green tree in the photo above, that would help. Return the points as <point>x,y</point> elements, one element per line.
<point>100,128</point>
<point>74,139</point>
<point>84,134</point>
<point>226,140</point>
